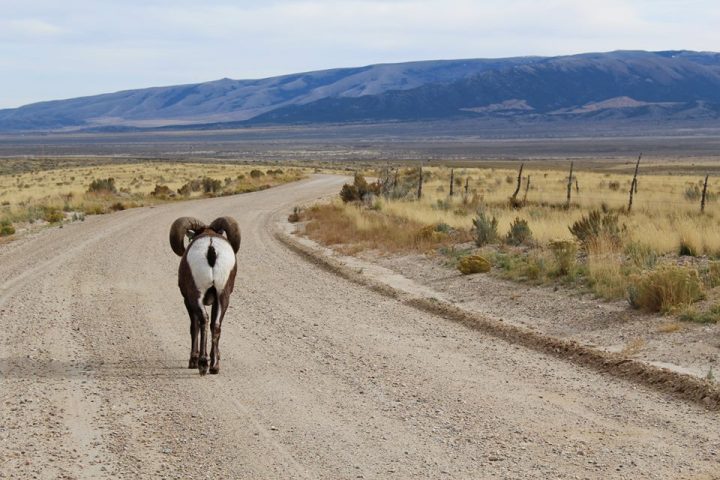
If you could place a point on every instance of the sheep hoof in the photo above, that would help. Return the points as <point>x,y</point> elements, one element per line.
<point>203,366</point>
<point>214,370</point>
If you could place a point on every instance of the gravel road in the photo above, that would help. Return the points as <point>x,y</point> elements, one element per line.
<point>321,378</point>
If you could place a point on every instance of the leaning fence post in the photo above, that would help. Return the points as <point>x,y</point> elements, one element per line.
<point>527,187</point>
<point>517,187</point>
<point>452,180</point>
<point>702,202</point>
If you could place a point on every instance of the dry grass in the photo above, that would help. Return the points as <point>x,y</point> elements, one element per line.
<point>665,288</point>
<point>354,227</point>
<point>633,347</point>
<point>670,327</point>
<point>662,215</point>
<point>57,194</point>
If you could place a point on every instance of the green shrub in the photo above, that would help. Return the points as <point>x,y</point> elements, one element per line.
<point>485,229</point>
<point>693,193</point>
<point>294,217</point>
<point>693,315</point>
<point>564,253</point>
<point>102,185</point>
<point>665,288</point>
<point>712,275</point>
<point>6,228</point>
<point>210,185</point>
<point>598,227</point>
<point>641,255</point>
<point>520,233</point>
<point>473,264</point>
<point>256,173</point>
<point>359,190</point>
<point>53,215</point>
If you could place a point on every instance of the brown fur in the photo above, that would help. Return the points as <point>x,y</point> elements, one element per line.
<point>199,320</point>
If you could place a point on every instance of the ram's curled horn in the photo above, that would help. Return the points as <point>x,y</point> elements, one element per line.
<point>230,227</point>
<point>179,229</point>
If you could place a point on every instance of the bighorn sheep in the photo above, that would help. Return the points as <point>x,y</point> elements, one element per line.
<point>206,277</point>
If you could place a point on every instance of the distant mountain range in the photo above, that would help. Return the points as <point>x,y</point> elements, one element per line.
<point>648,86</point>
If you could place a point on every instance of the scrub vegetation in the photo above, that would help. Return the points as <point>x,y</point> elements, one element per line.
<point>544,226</point>
<point>66,194</point>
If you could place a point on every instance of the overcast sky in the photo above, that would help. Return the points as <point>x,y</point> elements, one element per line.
<point>52,49</point>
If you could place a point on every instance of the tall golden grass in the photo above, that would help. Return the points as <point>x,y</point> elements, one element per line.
<point>662,216</point>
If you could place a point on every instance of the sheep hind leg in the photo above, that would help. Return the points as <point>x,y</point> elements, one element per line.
<point>217,314</point>
<point>204,360</point>
<point>194,330</point>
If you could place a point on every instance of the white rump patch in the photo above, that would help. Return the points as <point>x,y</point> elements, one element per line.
<point>203,274</point>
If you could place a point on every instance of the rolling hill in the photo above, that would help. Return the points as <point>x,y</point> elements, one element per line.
<point>626,84</point>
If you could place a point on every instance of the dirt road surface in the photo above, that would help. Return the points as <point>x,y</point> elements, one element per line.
<point>320,377</point>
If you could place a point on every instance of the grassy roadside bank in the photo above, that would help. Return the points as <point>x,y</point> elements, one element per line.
<point>662,255</point>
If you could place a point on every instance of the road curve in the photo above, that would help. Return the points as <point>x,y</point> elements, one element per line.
<point>321,378</point>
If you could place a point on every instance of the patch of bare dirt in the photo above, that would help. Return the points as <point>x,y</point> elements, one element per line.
<point>568,314</point>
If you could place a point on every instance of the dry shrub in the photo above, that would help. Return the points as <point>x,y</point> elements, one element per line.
<point>633,347</point>
<point>161,191</point>
<point>670,327</point>
<point>604,271</point>
<point>688,248</point>
<point>665,288</point>
<point>473,264</point>
<point>334,224</point>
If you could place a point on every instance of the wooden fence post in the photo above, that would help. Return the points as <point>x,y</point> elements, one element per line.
<point>569,186</point>
<point>420,182</point>
<point>633,184</point>
<point>467,184</point>
<point>452,181</point>
<point>527,187</point>
<point>702,202</point>
<point>517,187</point>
